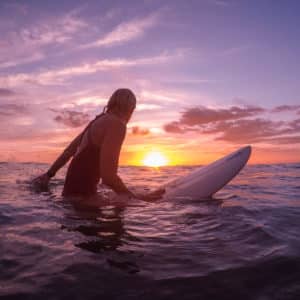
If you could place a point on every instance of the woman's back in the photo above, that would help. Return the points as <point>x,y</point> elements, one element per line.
<point>103,138</point>
<point>98,128</point>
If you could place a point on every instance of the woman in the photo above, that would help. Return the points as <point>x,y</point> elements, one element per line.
<point>96,152</point>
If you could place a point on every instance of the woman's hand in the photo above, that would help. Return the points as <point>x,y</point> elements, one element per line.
<point>41,183</point>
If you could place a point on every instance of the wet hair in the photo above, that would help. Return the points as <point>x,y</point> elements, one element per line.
<point>122,101</point>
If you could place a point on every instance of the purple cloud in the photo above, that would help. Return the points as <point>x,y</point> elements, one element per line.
<point>233,125</point>
<point>247,131</point>
<point>204,115</point>
<point>12,109</point>
<point>6,92</point>
<point>71,118</point>
<point>282,108</point>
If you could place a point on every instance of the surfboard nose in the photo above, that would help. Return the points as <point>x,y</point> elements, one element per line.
<point>204,182</point>
<point>247,150</point>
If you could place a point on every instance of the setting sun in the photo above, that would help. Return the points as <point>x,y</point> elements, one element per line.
<point>155,159</point>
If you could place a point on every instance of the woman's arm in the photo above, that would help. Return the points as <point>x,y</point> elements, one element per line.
<point>65,156</point>
<point>41,182</point>
<point>109,160</point>
<point>109,157</point>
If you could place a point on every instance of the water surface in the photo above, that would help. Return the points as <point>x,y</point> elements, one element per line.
<point>243,244</point>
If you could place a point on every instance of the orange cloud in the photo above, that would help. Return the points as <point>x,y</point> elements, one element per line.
<point>136,130</point>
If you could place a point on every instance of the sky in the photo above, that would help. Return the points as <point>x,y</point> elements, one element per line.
<point>210,76</point>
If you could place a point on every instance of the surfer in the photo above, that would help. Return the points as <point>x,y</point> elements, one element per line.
<point>96,151</point>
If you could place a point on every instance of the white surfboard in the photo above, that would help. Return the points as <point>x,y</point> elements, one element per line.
<point>206,181</point>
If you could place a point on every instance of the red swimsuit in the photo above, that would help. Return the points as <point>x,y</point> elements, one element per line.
<point>83,173</point>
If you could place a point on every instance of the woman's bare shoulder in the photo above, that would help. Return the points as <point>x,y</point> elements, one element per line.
<point>105,124</point>
<point>111,121</point>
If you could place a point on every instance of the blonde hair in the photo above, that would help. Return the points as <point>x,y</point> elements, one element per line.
<point>122,101</point>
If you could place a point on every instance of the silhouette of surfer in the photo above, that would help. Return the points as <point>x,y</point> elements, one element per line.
<point>96,152</point>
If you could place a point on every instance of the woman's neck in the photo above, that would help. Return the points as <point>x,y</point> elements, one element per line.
<point>119,116</point>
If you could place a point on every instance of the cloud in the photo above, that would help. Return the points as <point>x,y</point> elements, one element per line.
<point>53,30</point>
<point>162,96</point>
<point>234,125</point>
<point>71,118</point>
<point>289,140</point>
<point>148,106</point>
<point>247,131</point>
<point>22,60</point>
<point>294,126</point>
<point>136,130</point>
<point>203,115</point>
<point>198,116</point>
<point>125,32</point>
<point>282,108</point>
<point>174,127</point>
<point>26,44</point>
<point>58,76</point>
<point>12,109</point>
<point>6,92</point>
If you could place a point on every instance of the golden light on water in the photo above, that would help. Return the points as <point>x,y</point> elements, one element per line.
<point>155,159</point>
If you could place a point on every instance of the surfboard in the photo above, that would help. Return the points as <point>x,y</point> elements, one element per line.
<point>205,181</point>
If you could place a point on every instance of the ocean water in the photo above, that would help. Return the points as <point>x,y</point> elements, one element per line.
<point>242,244</point>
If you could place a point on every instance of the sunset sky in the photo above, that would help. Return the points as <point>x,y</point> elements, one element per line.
<point>210,76</point>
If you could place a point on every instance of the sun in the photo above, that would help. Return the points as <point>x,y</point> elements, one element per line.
<point>155,159</point>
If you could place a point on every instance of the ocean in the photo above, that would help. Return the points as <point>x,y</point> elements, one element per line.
<point>242,244</point>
